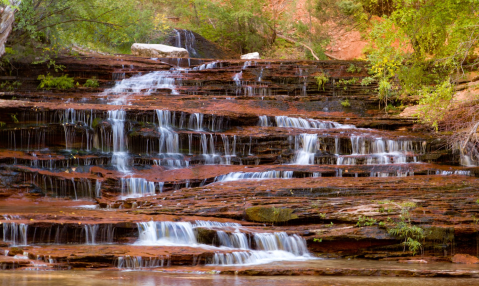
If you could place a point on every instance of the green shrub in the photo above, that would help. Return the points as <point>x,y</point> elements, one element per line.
<point>93,82</point>
<point>321,80</point>
<point>345,103</point>
<point>62,82</point>
<point>10,86</point>
<point>366,221</point>
<point>354,69</point>
<point>367,80</point>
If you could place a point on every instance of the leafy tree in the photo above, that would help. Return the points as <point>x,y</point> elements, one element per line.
<point>422,46</point>
<point>44,27</point>
<point>241,25</point>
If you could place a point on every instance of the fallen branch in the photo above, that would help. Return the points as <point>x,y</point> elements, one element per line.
<point>473,130</point>
<point>306,46</point>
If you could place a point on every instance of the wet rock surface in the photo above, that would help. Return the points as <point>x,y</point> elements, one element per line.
<point>228,164</point>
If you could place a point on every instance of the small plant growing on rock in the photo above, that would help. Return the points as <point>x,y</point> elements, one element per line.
<point>366,221</point>
<point>367,80</point>
<point>354,69</point>
<point>411,234</point>
<point>93,82</point>
<point>318,240</point>
<point>62,82</point>
<point>345,103</point>
<point>321,80</point>
<point>10,86</point>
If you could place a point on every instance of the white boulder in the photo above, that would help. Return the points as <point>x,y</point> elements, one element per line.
<point>158,51</point>
<point>251,56</point>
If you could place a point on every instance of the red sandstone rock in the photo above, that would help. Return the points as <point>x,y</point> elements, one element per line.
<point>465,259</point>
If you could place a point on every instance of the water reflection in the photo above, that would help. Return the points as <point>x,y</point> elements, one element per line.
<point>97,278</point>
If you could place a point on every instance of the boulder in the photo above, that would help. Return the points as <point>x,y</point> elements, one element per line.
<point>269,214</point>
<point>158,51</point>
<point>465,259</point>
<point>251,56</point>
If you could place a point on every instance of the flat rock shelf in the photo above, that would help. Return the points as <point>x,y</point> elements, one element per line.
<point>234,167</point>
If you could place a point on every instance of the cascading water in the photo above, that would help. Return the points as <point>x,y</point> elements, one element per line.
<point>188,43</point>
<point>119,156</point>
<point>371,151</point>
<point>236,176</point>
<point>137,187</point>
<point>16,233</point>
<point>142,85</point>
<point>305,153</point>
<point>269,246</point>
<point>293,122</point>
<point>166,233</point>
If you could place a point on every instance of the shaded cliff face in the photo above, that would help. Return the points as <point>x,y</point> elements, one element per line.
<point>197,46</point>
<point>7,17</point>
<point>184,163</point>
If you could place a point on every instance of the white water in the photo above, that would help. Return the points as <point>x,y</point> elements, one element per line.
<point>269,246</point>
<point>166,233</point>
<point>236,176</point>
<point>142,85</point>
<point>308,123</point>
<point>305,153</point>
<point>372,151</point>
<point>137,187</point>
<point>119,156</point>
<point>16,233</point>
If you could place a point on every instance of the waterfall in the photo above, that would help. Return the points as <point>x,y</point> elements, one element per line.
<point>16,233</point>
<point>90,233</point>
<point>169,140</point>
<point>137,262</point>
<point>309,146</point>
<point>143,85</point>
<point>236,176</point>
<point>372,151</point>
<point>98,189</point>
<point>137,187</point>
<point>189,42</point>
<point>269,246</point>
<point>234,240</point>
<point>281,241</point>
<point>119,156</point>
<point>264,121</point>
<point>166,233</point>
<point>308,123</point>
<point>196,122</point>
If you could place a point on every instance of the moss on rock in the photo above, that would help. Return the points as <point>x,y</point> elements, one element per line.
<point>269,214</point>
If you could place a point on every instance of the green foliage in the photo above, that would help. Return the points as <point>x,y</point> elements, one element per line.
<point>43,28</point>
<point>365,221</point>
<point>62,82</point>
<point>2,124</point>
<point>322,215</point>
<point>318,240</point>
<point>321,80</point>
<point>345,103</point>
<point>10,86</point>
<point>14,117</point>
<point>403,229</point>
<point>240,25</point>
<point>419,45</point>
<point>93,82</point>
<point>345,82</point>
<point>367,80</point>
<point>434,102</point>
<point>353,69</point>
